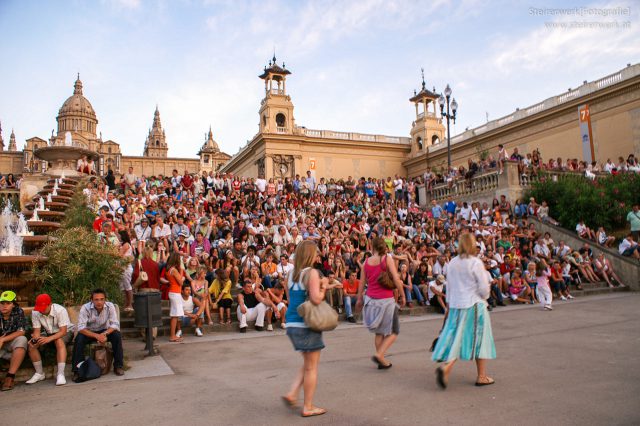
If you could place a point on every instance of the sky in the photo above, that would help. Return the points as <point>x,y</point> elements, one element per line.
<point>354,63</point>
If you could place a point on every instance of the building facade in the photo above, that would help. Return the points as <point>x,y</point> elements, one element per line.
<point>281,148</point>
<point>78,120</point>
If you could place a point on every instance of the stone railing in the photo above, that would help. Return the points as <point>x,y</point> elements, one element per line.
<point>487,181</point>
<point>12,195</point>
<point>526,179</point>
<point>627,73</point>
<point>331,134</point>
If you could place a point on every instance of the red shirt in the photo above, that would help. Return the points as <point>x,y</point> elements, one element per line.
<point>350,288</point>
<point>97,224</point>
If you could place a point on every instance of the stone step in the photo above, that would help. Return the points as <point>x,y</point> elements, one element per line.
<point>130,332</point>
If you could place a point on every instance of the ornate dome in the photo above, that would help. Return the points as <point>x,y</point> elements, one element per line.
<point>210,146</point>
<point>77,104</point>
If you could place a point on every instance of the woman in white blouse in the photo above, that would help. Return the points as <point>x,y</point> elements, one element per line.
<point>467,331</point>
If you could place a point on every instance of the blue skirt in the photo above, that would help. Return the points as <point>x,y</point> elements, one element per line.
<point>466,335</point>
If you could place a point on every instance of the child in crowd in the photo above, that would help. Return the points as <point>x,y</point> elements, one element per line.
<point>518,289</point>
<point>542,288</point>
<point>531,280</point>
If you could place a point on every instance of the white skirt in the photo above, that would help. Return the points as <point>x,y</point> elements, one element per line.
<point>176,305</point>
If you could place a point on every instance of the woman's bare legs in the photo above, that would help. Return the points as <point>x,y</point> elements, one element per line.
<point>383,343</point>
<point>307,378</point>
<point>481,365</point>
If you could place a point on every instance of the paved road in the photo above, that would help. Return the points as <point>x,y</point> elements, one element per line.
<point>579,364</point>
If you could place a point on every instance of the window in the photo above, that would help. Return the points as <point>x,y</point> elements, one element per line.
<point>206,159</point>
<point>435,140</point>
<point>419,143</point>
<point>281,120</point>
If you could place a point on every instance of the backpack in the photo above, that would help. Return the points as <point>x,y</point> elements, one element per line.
<point>88,370</point>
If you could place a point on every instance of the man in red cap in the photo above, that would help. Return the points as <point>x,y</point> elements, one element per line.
<point>51,324</point>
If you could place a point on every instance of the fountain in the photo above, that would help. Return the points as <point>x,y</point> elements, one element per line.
<point>23,228</point>
<point>49,200</point>
<point>41,205</point>
<point>10,239</point>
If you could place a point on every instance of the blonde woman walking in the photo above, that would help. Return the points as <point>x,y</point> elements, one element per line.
<point>380,307</point>
<point>304,282</point>
<point>467,331</point>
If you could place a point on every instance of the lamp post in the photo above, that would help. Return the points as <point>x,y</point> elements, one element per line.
<point>449,115</point>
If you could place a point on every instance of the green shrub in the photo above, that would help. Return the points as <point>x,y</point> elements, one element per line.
<point>603,202</point>
<point>78,214</point>
<point>77,263</point>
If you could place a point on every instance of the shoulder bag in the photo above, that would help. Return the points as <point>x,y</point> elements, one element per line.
<point>320,317</point>
<point>385,279</point>
<point>142,277</point>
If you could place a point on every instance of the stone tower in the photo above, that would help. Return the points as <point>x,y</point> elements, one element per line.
<point>12,142</point>
<point>78,117</point>
<point>276,109</point>
<point>208,159</point>
<point>427,129</point>
<point>156,143</point>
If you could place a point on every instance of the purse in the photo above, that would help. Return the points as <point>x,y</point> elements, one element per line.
<point>321,317</point>
<point>385,279</point>
<point>142,276</point>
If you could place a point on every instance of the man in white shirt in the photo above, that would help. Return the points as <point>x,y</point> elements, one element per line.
<point>541,250</point>
<point>283,268</point>
<point>628,247</point>
<point>465,211</point>
<point>111,203</point>
<point>397,186</point>
<point>261,184</point>
<point>440,267</point>
<point>161,231</point>
<point>193,311</point>
<point>51,324</point>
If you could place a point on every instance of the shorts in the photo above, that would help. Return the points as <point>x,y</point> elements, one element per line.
<point>186,321</point>
<point>66,339</point>
<point>7,349</point>
<point>225,303</point>
<point>304,339</point>
<point>279,307</point>
<point>176,305</point>
<point>125,280</point>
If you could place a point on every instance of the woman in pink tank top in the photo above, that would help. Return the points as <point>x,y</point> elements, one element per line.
<point>380,308</point>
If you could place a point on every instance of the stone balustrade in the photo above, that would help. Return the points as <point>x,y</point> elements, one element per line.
<point>12,195</point>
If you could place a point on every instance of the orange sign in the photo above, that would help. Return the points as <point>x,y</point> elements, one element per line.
<point>584,114</point>
<point>312,164</point>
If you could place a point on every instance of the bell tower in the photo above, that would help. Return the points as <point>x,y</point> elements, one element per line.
<point>156,143</point>
<point>276,109</point>
<point>427,129</point>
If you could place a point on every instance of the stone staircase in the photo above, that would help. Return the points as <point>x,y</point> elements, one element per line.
<point>130,332</point>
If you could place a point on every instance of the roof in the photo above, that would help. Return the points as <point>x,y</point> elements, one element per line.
<point>274,68</point>
<point>424,93</point>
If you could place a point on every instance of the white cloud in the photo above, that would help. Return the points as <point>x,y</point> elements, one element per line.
<point>124,4</point>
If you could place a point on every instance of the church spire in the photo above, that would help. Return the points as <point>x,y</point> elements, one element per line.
<point>156,119</point>
<point>12,142</point>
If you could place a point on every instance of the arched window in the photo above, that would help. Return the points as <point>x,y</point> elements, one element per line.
<point>109,150</point>
<point>281,120</point>
<point>419,143</point>
<point>435,140</point>
<point>157,142</point>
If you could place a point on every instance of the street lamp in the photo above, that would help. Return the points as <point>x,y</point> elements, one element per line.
<point>449,115</point>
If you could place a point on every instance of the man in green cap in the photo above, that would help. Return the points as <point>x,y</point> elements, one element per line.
<point>13,343</point>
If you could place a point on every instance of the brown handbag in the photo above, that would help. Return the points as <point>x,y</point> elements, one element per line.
<point>385,279</point>
<point>103,356</point>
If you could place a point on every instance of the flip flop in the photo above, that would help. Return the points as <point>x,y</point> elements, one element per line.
<point>177,340</point>
<point>440,378</point>
<point>381,366</point>
<point>314,412</point>
<point>289,403</point>
<point>490,382</point>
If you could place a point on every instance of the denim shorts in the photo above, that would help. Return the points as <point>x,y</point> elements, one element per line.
<point>305,339</point>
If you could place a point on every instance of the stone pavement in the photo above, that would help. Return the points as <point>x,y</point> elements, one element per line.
<point>576,365</point>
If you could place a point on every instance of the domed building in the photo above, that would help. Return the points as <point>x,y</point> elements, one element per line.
<point>77,121</point>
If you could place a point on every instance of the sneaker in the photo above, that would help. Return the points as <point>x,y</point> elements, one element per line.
<point>505,296</point>
<point>243,329</point>
<point>549,307</point>
<point>563,298</point>
<point>37,377</point>
<point>283,325</point>
<point>179,333</point>
<point>198,332</point>
<point>269,327</point>
<point>60,380</point>
<point>258,328</point>
<point>351,319</point>
<point>569,297</point>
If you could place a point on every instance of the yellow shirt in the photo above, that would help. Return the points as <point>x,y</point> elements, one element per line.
<point>215,287</point>
<point>388,187</point>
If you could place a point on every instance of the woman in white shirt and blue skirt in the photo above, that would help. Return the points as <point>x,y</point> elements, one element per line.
<point>467,330</point>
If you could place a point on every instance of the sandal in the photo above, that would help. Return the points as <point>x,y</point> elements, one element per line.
<point>315,412</point>
<point>489,381</point>
<point>176,340</point>
<point>228,322</point>
<point>289,403</point>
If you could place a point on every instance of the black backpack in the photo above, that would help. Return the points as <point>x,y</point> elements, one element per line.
<point>88,370</point>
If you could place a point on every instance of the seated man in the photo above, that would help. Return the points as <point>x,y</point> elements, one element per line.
<point>193,311</point>
<point>278,301</point>
<point>51,324</point>
<point>436,293</point>
<point>628,247</point>
<point>250,308</point>
<point>98,321</point>
<point>13,343</point>
<point>350,294</point>
<point>333,292</point>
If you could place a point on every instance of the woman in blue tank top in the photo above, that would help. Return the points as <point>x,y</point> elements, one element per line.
<point>304,283</point>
